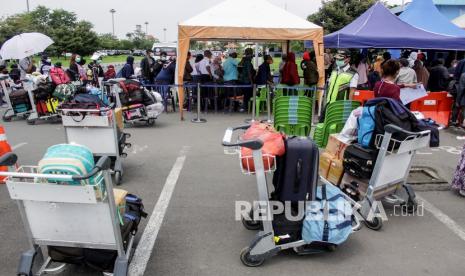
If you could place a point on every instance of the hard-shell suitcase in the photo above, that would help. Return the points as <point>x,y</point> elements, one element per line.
<point>52,105</point>
<point>359,161</point>
<point>296,175</point>
<point>41,108</point>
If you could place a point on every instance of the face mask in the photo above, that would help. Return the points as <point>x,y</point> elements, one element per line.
<point>152,54</point>
<point>163,58</point>
<point>78,59</point>
<point>48,60</point>
<point>340,63</point>
<point>98,61</point>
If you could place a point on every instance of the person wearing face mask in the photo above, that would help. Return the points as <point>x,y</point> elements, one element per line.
<point>73,70</point>
<point>147,65</point>
<point>46,65</point>
<point>159,63</point>
<point>343,80</point>
<point>96,69</point>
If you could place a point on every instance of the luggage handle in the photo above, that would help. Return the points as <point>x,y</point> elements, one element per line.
<point>395,129</point>
<point>72,114</point>
<point>103,163</point>
<point>8,159</point>
<point>298,177</point>
<point>251,144</point>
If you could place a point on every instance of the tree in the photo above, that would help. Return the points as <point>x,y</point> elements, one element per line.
<point>108,41</point>
<point>336,14</point>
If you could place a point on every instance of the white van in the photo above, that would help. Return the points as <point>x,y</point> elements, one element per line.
<point>169,47</point>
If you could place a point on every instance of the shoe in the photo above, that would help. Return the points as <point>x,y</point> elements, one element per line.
<point>462,193</point>
<point>242,110</point>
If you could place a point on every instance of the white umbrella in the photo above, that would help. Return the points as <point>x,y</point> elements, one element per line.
<point>24,45</point>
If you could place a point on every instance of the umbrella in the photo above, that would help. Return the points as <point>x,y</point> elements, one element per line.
<point>24,45</point>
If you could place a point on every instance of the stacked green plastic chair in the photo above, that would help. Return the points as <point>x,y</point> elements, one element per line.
<point>260,101</point>
<point>293,114</point>
<point>336,116</point>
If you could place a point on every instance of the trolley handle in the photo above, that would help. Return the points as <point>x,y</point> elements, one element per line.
<point>8,159</point>
<point>103,163</point>
<point>395,129</point>
<point>251,144</point>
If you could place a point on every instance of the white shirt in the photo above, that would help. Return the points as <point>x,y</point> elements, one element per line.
<point>354,80</point>
<point>202,66</point>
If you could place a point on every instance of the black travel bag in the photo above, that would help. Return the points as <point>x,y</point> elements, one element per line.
<point>359,161</point>
<point>287,230</point>
<point>103,259</point>
<point>296,175</point>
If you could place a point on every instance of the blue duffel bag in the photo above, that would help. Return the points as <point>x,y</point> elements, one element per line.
<point>329,218</point>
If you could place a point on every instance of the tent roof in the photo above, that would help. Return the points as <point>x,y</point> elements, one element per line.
<point>248,14</point>
<point>460,21</point>
<point>379,28</point>
<point>424,15</point>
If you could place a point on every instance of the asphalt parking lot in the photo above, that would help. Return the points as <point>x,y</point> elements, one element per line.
<point>199,235</point>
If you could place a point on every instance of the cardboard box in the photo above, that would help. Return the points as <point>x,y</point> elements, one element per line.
<point>335,146</point>
<point>336,170</point>
<point>325,163</point>
<point>119,118</point>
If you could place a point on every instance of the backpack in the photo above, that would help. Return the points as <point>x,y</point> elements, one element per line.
<point>366,126</point>
<point>329,218</point>
<point>59,76</point>
<point>64,91</point>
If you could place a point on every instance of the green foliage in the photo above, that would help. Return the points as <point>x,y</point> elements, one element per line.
<point>336,14</point>
<point>69,34</point>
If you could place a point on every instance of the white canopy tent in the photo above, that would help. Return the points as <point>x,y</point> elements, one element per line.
<point>247,20</point>
<point>460,21</point>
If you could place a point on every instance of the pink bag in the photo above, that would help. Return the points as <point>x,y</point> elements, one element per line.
<point>59,76</point>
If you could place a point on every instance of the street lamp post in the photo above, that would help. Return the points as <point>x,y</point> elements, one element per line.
<point>164,34</point>
<point>146,27</point>
<point>112,11</point>
<point>27,3</point>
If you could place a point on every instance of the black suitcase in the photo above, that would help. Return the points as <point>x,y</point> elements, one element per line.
<point>296,175</point>
<point>359,162</point>
<point>287,230</point>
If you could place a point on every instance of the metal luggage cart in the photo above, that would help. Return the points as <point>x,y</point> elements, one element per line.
<point>34,115</point>
<point>97,129</point>
<point>65,215</point>
<point>390,173</point>
<point>263,246</point>
<point>7,86</point>
<point>114,88</point>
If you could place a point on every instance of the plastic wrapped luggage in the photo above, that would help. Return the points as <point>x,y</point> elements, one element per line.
<point>132,97</point>
<point>133,112</point>
<point>359,161</point>
<point>41,108</point>
<point>52,105</point>
<point>296,173</point>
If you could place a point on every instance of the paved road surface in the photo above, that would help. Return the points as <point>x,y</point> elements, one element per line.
<point>199,235</point>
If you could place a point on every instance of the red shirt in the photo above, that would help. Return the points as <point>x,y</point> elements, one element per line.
<point>387,90</point>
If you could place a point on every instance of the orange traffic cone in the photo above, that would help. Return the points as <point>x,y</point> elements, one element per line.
<point>4,148</point>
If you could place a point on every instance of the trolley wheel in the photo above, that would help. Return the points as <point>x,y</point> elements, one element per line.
<point>376,224</point>
<point>128,145</point>
<point>7,118</point>
<point>118,178</point>
<point>251,224</point>
<point>31,122</point>
<point>25,274</point>
<point>331,247</point>
<point>151,122</point>
<point>246,260</point>
<point>410,207</point>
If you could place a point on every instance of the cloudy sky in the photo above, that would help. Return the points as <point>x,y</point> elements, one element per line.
<point>159,13</point>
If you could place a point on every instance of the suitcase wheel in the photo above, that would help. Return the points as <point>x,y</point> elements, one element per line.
<point>248,260</point>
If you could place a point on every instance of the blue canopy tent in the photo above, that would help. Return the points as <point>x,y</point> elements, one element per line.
<point>424,15</point>
<point>379,28</point>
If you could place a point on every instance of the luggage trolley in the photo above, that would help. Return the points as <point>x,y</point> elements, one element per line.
<point>34,115</point>
<point>98,130</point>
<point>15,111</point>
<point>263,246</point>
<point>134,113</point>
<point>65,215</point>
<point>390,173</point>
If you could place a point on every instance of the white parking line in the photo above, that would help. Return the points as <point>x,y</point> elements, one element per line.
<point>147,241</point>
<point>15,147</point>
<point>445,219</point>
